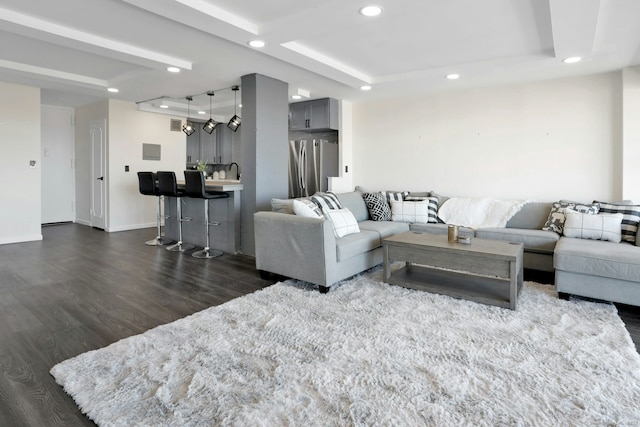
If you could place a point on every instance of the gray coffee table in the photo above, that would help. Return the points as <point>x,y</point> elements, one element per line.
<point>485,271</point>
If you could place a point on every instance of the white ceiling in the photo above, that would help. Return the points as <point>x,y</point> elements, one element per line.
<point>76,49</point>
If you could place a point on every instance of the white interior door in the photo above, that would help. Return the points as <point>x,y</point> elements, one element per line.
<point>98,136</point>
<point>58,180</point>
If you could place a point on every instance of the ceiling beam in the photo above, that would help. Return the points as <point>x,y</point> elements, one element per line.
<point>78,37</point>
<point>574,24</point>
<point>54,74</point>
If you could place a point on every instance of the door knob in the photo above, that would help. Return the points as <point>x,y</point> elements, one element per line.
<point>101,178</point>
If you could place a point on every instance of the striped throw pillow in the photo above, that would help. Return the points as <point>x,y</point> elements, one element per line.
<point>630,218</point>
<point>396,196</point>
<point>326,201</point>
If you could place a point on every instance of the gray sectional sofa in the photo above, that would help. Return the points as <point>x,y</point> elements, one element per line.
<point>306,249</point>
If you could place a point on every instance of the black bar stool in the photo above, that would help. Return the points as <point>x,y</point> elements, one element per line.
<point>149,187</point>
<point>168,187</point>
<point>195,188</point>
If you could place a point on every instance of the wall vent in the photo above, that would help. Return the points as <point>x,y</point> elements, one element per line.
<point>176,125</point>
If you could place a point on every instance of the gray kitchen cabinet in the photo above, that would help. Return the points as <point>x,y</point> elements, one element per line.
<point>201,146</point>
<point>193,145</point>
<point>224,144</point>
<point>207,146</point>
<point>319,114</point>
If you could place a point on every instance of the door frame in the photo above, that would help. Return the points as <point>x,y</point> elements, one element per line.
<point>98,127</point>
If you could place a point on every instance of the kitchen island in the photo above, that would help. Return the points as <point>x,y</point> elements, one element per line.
<point>226,236</point>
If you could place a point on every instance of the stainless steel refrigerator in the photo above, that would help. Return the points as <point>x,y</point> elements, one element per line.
<point>310,163</point>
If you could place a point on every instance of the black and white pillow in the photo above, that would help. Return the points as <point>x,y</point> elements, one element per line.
<point>378,207</point>
<point>555,221</point>
<point>432,206</point>
<point>630,218</point>
<point>306,208</point>
<point>394,196</point>
<point>326,201</point>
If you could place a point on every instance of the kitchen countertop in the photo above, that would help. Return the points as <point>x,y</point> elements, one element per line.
<point>219,184</point>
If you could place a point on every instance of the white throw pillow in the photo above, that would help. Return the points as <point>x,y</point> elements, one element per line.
<point>595,227</point>
<point>414,211</point>
<point>306,208</point>
<point>343,222</point>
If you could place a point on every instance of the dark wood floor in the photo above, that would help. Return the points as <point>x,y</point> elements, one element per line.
<point>80,289</point>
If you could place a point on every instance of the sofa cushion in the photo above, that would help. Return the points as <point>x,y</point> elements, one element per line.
<point>378,207</point>
<point>595,227</point>
<point>306,208</point>
<point>356,244</point>
<point>355,203</point>
<point>326,201</point>
<point>532,240</point>
<point>410,211</point>
<point>343,222</point>
<point>282,205</point>
<point>532,215</point>
<point>630,220</point>
<point>441,229</point>
<point>555,221</point>
<point>598,258</point>
<point>397,196</point>
<point>384,228</point>
<point>432,206</point>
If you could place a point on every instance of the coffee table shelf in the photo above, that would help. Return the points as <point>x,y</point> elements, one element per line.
<point>485,290</point>
<point>486,271</point>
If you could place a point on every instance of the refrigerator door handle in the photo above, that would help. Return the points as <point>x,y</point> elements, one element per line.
<point>302,170</point>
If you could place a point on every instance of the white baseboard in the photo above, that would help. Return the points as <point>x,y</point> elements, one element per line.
<point>20,239</point>
<point>130,227</point>
<point>82,222</point>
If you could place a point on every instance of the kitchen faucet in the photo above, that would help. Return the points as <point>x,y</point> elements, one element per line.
<point>237,170</point>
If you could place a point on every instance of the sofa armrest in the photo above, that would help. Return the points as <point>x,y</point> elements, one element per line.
<point>293,246</point>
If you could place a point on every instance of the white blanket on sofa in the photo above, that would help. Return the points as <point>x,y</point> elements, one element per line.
<point>479,212</point>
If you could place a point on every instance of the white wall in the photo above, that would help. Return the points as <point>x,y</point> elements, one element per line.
<point>344,182</point>
<point>128,129</point>
<point>631,134</point>
<point>19,143</point>
<point>539,141</point>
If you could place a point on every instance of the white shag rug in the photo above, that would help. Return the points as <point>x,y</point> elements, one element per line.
<point>364,354</point>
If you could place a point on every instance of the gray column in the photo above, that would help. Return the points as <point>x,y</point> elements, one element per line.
<point>265,153</point>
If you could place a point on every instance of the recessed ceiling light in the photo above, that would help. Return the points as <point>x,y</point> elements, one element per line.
<point>164,106</point>
<point>371,11</point>
<point>296,97</point>
<point>202,112</point>
<point>572,60</point>
<point>365,87</point>
<point>173,69</point>
<point>257,43</point>
<point>113,89</point>
<point>453,76</point>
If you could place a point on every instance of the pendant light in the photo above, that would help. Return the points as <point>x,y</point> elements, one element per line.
<point>235,121</point>
<point>211,124</point>
<point>188,126</point>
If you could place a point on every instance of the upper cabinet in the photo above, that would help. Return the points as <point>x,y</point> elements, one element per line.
<point>214,148</point>
<point>319,114</point>
<point>224,144</point>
